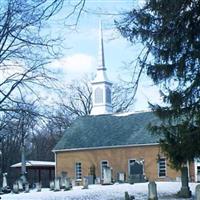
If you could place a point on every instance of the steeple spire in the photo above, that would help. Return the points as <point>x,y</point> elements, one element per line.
<point>101,60</point>
<point>101,86</point>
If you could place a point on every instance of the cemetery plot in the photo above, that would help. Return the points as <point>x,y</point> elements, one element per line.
<point>165,191</point>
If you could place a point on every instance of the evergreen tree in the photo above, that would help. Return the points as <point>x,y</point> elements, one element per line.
<point>170,31</point>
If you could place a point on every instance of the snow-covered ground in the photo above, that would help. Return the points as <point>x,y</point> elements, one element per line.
<point>166,191</point>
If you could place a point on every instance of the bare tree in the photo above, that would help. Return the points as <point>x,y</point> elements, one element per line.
<point>77,98</point>
<point>24,46</point>
<point>48,133</point>
<point>122,97</point>
<point>17,127</point>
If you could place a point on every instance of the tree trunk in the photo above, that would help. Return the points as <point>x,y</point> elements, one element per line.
<point>23,164</point>
<point>185,190</point>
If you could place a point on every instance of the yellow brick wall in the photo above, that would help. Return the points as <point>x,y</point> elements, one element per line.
<point>117,158</point>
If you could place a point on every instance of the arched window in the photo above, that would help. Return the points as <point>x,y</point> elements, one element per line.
<point>108,95</point>
<point>98,95</point>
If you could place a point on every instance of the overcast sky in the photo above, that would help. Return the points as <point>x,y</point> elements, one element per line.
<point>81,46</point>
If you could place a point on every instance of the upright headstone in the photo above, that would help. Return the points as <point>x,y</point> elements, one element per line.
<point>20,184</point>
<point>5,184</point>
<point>38,187</point>
<point>63,180</point>
<point>197,192</point>
<point>97,180</point>
<point>26,187</point>
<point>136,172</point>
<point>129,197</point>
<point>92,174</point>
<point>152,191</point>
<point>67,185</point>
<point>57,185</point>
<point>73,182</point>
<point>85,183</point>
<point>126,196</point>
<point>185,190</point>
<point>16,188</point>
<point>51,185</point>
<point>107,176</point>
<point>5,188</point>
<point>23,178</point>
<point>90,179</point>
<point>121,177</point>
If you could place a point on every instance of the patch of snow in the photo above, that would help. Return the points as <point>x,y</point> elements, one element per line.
<point>35,163</point>
<point>166,191</point>
<point>129,113</point>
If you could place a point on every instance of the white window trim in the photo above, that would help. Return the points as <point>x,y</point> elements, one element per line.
<point>78,179</point>
<point>101,169</point>
<point>158,165</point>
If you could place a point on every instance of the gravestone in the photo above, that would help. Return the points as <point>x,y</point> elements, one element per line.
<point>107,176</point>
<point>97,180</point>
<point>185,190</point>
<point>73,183</point>
<point>152,191</point>
<point>136,173</point>
<point>23,178</point>
<point>85,183</point>
<point>51,185</point>
<point>20,185</point>
<point>126,196</point>
<point>57,184</point>
<point>136,168</point>
<point>65,184</point>
<point>129,197</point>
<point>90,179</point>
<point>27,188</point>
<point>92,174</point>
<point>15,188</point>
<point>197,192</point>
<point>63,180</point>
<point>121,177</point>
<point>4,185</point>
<point>38,187</point>
<point>68,185</point>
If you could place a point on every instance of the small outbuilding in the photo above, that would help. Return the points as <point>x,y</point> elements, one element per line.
<point>38,171</point>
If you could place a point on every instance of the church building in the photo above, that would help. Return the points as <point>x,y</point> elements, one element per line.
<point>105,139</point>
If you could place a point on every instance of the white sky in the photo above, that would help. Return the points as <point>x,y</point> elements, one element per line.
<point>81,48</point>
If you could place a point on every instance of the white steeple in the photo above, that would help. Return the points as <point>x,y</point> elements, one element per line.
<point>101,60</point>
<point>101,86</point>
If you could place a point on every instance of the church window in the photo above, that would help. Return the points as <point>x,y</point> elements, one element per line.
<point>98,96</point>
<point>108,95</point>
<point>161,167</point>
<point>104,163</point>
<point>135,167</point>
<point>78,171</point>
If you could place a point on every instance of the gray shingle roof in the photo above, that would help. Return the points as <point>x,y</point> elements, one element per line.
<point>108,130</point>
